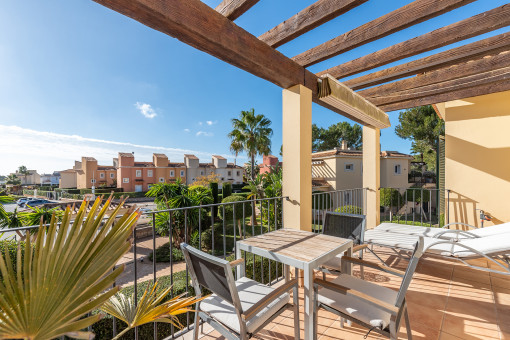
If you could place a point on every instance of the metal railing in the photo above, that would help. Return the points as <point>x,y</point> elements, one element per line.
<point>351,201</point>
<point>417,206</point>
<point>213,228</point>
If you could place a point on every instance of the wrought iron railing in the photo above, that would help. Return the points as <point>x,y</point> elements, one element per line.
<point>208,228</point>
<point>351,201</point>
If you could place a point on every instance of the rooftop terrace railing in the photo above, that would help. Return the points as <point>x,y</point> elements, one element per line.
<point>213,228</point>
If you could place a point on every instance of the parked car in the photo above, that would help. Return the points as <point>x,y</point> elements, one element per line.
<point>23,200</point>
<point>34,203</point>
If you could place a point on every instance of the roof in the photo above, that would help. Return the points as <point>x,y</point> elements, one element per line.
<point>126,154</point>
<point>144,164</point>
<point>232,165</point>
<point>219,157</point>
<point>106,167</point>
<point>191,156</point>
<point>357,153</point>
<point>175,165</point>
<point>89,159</point>
<point>319,182</point>
<point>206,165</point>
<point>160,155</point>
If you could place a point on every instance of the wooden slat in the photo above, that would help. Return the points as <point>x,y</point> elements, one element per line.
<point>233,9</point>
<point>200,26</point>
<point>477,49</point>
<point>439,76</point>
<point>411,14</point>
<point>313,16</point>
<point>497,84</point>
<point>479,24</point>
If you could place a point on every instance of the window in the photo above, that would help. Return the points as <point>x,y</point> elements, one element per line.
<point>161,180</point>
<point>398,170</point>
<point>229,173</point>
<point>149,173</point>
<point>349,167</point>
<point>112,175</point>
<point>201,173</point>
<point>182,173</point>
<point>92,181</point>
<point>172,173</point>
<point>138,173</point>
<point>238,173</point>
<point>125,180</point>
<point>101,175</point>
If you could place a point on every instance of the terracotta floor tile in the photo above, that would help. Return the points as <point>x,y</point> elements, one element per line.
<point>470,274</point>
<point>472,309</point>
<point>468,329</point>
<point>351,332</point>
<point>501,282</point>
<point>428,299</point>
<point>446,336</point>
<point>426,316</point>
<point>419,331</point>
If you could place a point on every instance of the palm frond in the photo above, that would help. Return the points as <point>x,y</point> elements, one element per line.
<point>64,275</point>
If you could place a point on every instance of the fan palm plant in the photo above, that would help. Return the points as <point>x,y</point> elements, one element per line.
<point>64,275</point>
<point>150,308</point>
<point>41,215</point>
<point>13,179</point>
<point>252,134</point>
<point>23,171</point>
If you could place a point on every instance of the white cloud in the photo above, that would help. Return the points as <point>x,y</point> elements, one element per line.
<point>187,130</point>
<point>210,122</point>
<point>204,133</point>
<point>200,123</point>
<point>146,110</point>
<point>48,151</point>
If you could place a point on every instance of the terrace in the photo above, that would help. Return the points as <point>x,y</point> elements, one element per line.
<point>467,84</point>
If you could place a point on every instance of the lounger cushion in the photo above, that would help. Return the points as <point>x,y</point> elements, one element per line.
<point>433,232</point>
<point>355,307</point>
<point>250,292</point>
<point>495,244</point>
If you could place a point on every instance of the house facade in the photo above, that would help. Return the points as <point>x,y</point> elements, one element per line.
<point>89,174</point>
<point>269,162</point>
<point>50,179</point>
<point>342,168</point>
<point>32,178</point>
<point>227,172</point>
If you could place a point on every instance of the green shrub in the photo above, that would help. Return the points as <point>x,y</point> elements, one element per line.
<point>350,209</point>
<point>415,195</point>
<point>390,197</point>
<point>227,189</point>
<point>163,254</point>
<point>229,209</point>
<point>11,247</point>
<point>214,192</point>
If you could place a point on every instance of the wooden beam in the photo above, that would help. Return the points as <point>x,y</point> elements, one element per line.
<point>479,24</point>
<point>233,9</point>
<point>411,14</point>
<point>447,92</point>
<point>477,49</point>
<point>313,16</point>
<point>439,76</point>
<point>198,25</point>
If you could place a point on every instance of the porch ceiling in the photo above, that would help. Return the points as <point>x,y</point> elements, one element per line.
<point>214,32</point>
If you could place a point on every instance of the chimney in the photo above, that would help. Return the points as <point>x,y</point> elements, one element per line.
<point>344,145</point>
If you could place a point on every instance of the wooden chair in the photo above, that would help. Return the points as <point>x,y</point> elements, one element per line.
<point>236,309</point>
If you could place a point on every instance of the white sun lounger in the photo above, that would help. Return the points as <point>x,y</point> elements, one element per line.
<point>494,248</point>
<point>444,232</point>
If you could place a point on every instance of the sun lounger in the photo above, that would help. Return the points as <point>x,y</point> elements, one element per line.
<point>493,248</point>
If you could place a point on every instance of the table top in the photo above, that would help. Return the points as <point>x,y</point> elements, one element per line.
<point>295,247</point>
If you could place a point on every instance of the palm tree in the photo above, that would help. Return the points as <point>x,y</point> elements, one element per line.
<point>253,133</point>
<point>13,179</point>
<point>22,170</point>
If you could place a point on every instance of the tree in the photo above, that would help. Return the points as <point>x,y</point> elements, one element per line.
<point>22,170</point>
<point>253,133</point>
<point>327,139</point>
<point>13,179</point>
<point>422,126</point>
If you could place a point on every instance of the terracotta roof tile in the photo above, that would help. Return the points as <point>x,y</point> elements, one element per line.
<point>126,154</point>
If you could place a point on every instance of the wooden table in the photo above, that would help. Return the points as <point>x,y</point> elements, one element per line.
<point>302,250</point>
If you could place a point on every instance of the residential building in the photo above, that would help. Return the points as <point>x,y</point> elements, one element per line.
<point>475,164</point>
<point>269,162</point>
<point>67,179</point>
<point>91,174</point>
<point>32,178</point>
<point>50,179</point>
<point>140,176</point>
<point>342,168</point>
<point>228,172</point>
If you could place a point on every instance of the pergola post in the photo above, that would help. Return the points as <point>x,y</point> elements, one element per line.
<point>297,157</point>
<point>372,175</point>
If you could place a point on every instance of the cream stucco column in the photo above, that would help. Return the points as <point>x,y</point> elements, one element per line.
<point>372,175</point>
<point>297,157</point>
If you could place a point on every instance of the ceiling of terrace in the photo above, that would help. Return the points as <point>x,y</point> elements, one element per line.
<point>393,77</point>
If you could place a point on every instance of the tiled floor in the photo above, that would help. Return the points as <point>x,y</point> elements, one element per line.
<point>447,300</point>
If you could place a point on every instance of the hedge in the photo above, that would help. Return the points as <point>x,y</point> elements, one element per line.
<point>11,247</point>
<point>226,189</point>
<point>417,192</point>
<point>101,191</point>
<point>104,328</point>
<point>229,209</point>
<point>390,197</point>
<point>350,209</point>
<point>321,200</point>
<point>163,254</point>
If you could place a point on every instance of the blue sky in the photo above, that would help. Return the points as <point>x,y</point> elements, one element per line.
<point>79,79</point>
